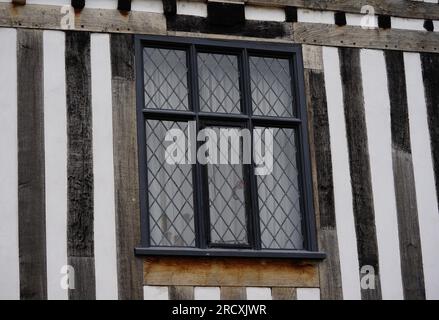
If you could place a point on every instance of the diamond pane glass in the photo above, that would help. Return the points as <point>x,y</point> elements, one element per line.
<point>279,195</point>
<point>170,190</point>
<point>226,197</point>
<point>271,87</point>
<point>218,79</point>
<point>165,79</point>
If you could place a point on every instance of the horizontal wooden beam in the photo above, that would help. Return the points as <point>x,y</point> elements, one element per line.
<point>357,37</point>
<point>112,21</point>
<point>88,19</point>
<point>234,272</point>
<point>395,8</point>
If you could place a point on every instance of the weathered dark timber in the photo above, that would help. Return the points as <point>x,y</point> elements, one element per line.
<point>19,2</point>
<point>362,196</point>
<point>290,14</point>
<point>170,7</point>
<point>340,19</point>
<point>130,277</point>
<point>225,13</point>
<point>31,186</point>
<point>397,8</point>
<point>233,293</point>
<point>260,29</point>
<point>320,147</point>
<point>405,192</point>
<point>80,234</point>
<point>181,293</point>
<point>283,293</point>
<point>124,5</point>
<point>428,25</point>
<point>78,4</point>
<point>430,72</point>
<point>384,22</point>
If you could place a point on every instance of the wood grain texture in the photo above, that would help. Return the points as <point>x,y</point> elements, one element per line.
<point>362,195</point>
<point>233,293</point>
<point>352,36</point>
<point>284,293</point>
<point>430,73</point>
<point>235,272</point>
<point>31,185</point>
<point>80,204</point>
<point>249,28</point>
<point>320,149</point>
<point>126,183</point>
<point>399,8</point>
<point>404,181</point>
<point>181,293</point>
<point>88,19</point>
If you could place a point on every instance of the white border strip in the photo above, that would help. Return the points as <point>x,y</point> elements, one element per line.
<point>377,112</point>
<point>104,202</point>
<point>347,240</point>
<point>424,175</point>
<point>9,257</point>
<point>55,146</point>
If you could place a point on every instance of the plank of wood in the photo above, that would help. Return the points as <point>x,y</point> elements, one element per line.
<point>88,19</point>
<point>404,181</point>
<point>320,149</point>
<point>80,205</point>
<point>181,293</point>
<point>249,28</point>
<point>353,36</point>
<point>398,8</point>
<point>284,293</point>
<point>362,195</point>
<point>126,183</point>
<point>31,186</point>
<point>229,272</point>
<point>430,73</point>
<point>233,293</point>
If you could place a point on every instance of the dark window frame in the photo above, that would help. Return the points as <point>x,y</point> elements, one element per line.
<point>292,52</point>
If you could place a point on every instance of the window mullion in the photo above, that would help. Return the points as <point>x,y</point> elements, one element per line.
<point>246,95</point>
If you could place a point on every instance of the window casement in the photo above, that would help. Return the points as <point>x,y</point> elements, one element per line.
<point>223,209</point>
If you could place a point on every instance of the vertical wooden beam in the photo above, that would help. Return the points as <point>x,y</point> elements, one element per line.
<point>356,132</point>
<point>405,192</point>
<point>130,271</point>
<point>320,148</point>
<point>284,293</point>
<point>430,73</point>
<point>233,293</point>
<point>170,7</point>
<point>31,187</point>
<point>80,217</point>
<point>181,293</point>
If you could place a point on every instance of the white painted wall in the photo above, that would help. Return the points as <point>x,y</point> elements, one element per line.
<point>407,24</point>
<point>315,16</point>
<point>207,293</point>
<point>258,293</point>
<point>155,293</point>
<point>308,293</point>
<point>55,145</point>
<point>424,175</point>
<point>264,13</point>
<point>347,241</point>
<point>9,263</point>
<point>192,8</point>
<point>377,112</point>
<point>103,168</point>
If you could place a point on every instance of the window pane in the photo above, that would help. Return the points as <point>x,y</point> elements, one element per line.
<point>226,200</point>
<point>218,80</point>
<point>271,87</point>
<point>165,76</point>
<point>170,190</point>
<point>279,195</point>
